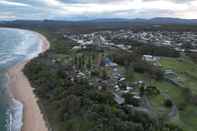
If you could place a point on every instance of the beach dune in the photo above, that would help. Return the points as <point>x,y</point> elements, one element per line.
<point>22,91</point>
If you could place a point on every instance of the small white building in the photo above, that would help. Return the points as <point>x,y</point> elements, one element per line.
<point>76,48</point>
<point>129,88</point>
<point>118,99</point>
<point>150,58</point>
<point>116,87</point>
<point>193,50</point>
<point>136,97</point>
<point>167,43</point>
<point>81,75</point>
<point>122,79</point>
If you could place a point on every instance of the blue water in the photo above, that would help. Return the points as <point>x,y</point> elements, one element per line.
<point>15,46</point>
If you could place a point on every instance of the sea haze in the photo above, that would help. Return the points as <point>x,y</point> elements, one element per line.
<point>15,46</point>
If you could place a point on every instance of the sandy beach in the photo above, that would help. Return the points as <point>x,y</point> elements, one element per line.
<point>21,90</point>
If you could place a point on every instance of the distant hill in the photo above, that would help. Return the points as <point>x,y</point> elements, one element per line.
<point>158,23</point>
<point>157,20</point>
<point>160,20</point>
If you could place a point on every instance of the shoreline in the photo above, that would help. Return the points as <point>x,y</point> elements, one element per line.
<point>21,90</point>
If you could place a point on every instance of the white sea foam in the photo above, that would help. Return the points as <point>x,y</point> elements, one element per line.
<point>7,60</point>
<point>30,46</point>
<point>25,47</point>
<point>15,113</point>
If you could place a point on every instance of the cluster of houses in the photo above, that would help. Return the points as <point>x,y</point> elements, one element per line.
<point>177,40</point>
<point>166,38</point>
<point>119,84</point>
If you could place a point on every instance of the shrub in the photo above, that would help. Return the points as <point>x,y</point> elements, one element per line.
<point>168,103</point>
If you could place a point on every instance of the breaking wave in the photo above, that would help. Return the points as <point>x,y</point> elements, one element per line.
<point>15,116</point>
<point>14,49</point>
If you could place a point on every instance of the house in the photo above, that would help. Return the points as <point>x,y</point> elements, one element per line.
<point>129,88</point>
<point>153,59</point>
<point>121,46</point>
<point>140,82</point>
<point>193,50</point>
<point>81,75</point>
<point>109,63</point>
<point>122,79</point>
<point>116,87</point>
<point>150,58</point>
<point>124,91</point>
<point>115,69</point>
<point>167,43</point>
<point>179,49</point>
<point>118,99</point>
<point>76,48</point>
<point>136,97</point>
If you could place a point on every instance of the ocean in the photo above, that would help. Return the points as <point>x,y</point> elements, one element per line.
<point>16,46</point>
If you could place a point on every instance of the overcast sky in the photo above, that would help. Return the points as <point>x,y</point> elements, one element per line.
<point>93,9</point>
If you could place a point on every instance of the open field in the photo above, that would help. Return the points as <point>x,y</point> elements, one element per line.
<point>185,68</point>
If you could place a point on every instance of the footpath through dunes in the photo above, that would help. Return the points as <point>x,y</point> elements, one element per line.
<point>22,91</point>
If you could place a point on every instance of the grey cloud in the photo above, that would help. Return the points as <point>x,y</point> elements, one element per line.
<point>149,13</point>
<point>175,1</point>
<point>39,9</point>
<point>130,14</point>
<point>89,1</point>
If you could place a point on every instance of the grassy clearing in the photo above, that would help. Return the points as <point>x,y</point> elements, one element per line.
<point>158,104</point>
<point>180,65</point>
<point>174,92</point>
<point>185,68</point>
<point>133,77</point>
